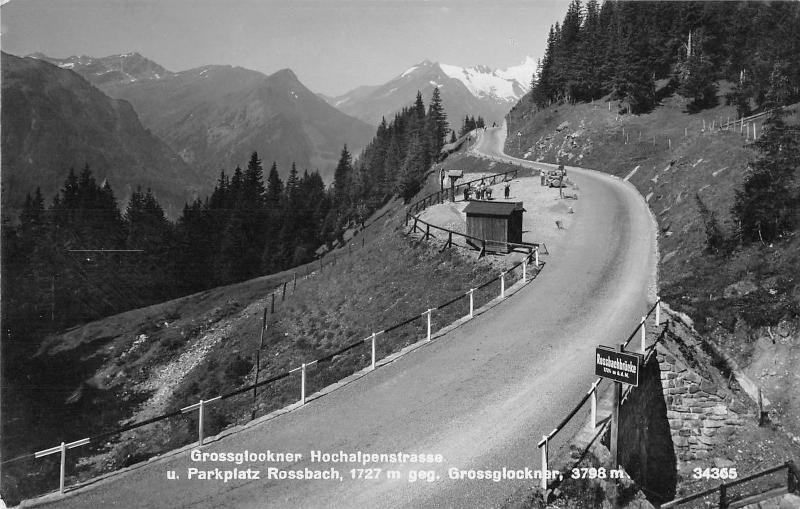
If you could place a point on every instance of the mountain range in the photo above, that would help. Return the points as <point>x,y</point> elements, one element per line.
<point>215,116</point>
<point>54,120</point>
<point>476,91</point>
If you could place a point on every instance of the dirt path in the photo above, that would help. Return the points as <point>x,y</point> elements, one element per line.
<point>481,395</point>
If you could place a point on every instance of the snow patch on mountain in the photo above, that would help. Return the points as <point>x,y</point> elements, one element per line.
<point>503,84</point>
<point>522,73</point>
<point>409,71</point>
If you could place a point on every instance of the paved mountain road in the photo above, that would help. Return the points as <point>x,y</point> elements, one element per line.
<point>481,395</point>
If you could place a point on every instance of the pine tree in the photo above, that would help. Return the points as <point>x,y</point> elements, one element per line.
<point>253,190</point>
<point>767,205</point>
<point>274,185</point>
<point>342,178</point>
<point>436,125</point>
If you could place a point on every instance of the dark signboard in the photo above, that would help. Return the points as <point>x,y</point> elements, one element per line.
<point>618,366</point>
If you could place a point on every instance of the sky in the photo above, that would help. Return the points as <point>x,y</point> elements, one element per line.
<point>332,45</point>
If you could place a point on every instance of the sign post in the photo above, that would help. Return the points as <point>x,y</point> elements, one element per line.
<point>621,367</point>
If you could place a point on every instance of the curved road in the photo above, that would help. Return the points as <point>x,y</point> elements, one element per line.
<point>481,395</point>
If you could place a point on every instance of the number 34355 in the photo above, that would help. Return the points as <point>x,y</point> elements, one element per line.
<point>715,473</point>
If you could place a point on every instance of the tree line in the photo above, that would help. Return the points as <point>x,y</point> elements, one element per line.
<point>622,48</point>
<point>82,258</point>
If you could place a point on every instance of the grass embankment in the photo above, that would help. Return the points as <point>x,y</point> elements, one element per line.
<point>746,299</point>
<point>688,175</point>
<point>148,362</point>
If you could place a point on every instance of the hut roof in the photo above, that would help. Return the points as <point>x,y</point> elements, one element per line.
<point>492,208</point>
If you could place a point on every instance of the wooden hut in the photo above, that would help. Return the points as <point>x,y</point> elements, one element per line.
<point>497,222</point>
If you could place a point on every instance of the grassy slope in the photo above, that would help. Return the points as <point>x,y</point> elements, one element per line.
<point>389,279</point>
<point>734,298</point>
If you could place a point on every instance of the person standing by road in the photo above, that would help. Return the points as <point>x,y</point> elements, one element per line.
<point>507,190</point>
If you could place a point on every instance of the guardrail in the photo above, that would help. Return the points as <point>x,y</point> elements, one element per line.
<point>440,196</point>
<point>525,276</point>
<point>593,389</point>
<point>530,246</point>
<point>724,501</point>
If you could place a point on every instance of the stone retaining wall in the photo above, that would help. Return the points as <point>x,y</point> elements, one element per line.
<point>697,409</point>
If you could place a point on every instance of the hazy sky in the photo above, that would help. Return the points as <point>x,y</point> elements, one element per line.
<point>333,46</point>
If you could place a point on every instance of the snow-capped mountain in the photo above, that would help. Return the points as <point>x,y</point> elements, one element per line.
<point>477,90</point>
<point>500,84</point>
<point>124,68</point>
<point>214,116</point>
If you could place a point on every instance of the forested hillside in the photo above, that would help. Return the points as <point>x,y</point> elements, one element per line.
<point>624,48</point>
<point>80,258</point>
<point>649,92</point>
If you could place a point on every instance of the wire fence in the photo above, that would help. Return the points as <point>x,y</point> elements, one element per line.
<point>314,374</point>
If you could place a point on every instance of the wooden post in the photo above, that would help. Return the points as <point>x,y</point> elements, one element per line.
<point>525,270</point>
<point>294,282</point>
<point>615,419</point>
<point>63,471</point>
<point>536,255</point>
<point>670,143</point>
<point>283,297</point>
<point>258,358</point>
<point>594,407</point>
<point>644,334</point>
<point>760,407</point>
<point>303,384</point>
<point>685,132</point>
<point>200,418</point>
<point>543,484</point>
<point>373,351</point>
<point>471,302</point>
<point>428,312</point>
<point>723,497</point>
<point>502,285</point>
<point>273,296</point>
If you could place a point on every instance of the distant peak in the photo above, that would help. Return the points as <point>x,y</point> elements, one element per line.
<point>286,74</point>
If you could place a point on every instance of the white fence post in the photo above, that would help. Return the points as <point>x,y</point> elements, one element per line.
<point>200,418</point>
<point>502,285</point>
<point>303,384</point>
<point>594,407</point>
<point>658,312</point>
<point>63,450</point>
<point>536,256</point>
<point>200,407</point>
<point>644,333</point>
<point>471,303</point>
<point>525,270</point>
<point>544,464</point>
<point>373,351</point>
<point>63,467</point>
<point>428,312</point>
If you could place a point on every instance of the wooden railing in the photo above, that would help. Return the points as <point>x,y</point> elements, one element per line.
<point>725,501</point>
<point>442,195</point>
